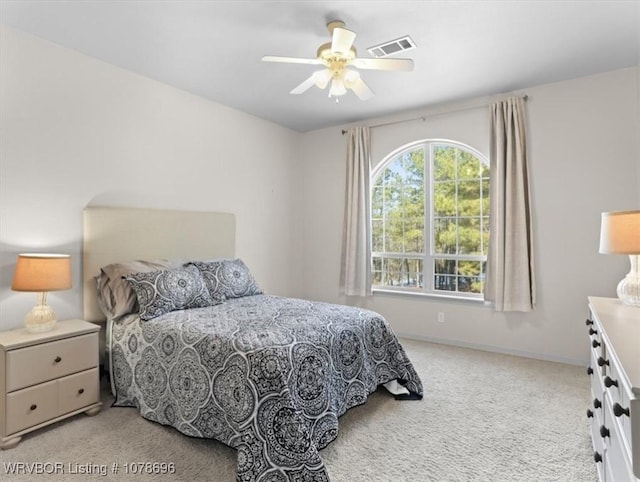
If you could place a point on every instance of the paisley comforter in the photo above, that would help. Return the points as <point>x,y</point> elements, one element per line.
<point>266,375</point>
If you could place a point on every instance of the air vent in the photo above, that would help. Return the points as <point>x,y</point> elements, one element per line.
<point>393,47</point>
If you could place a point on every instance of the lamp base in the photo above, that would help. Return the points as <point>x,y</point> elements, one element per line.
<point>629,287</point>
<point>40,319</point>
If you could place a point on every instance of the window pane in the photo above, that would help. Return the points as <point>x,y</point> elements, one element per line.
<point>444,283</point>
<point>411,273</point>
<point>414,235</point>
<point>376,271</point>
<point>392,194</point>
<point>444,266</point>
<point>485,235</point>
<point>469,237</point>
<point>485,197</point>
<point>444,236</point>
<point>444,198</point>
<point>484,170</point>
<point>376,202</point>
<point>394,233</point>
<point>414,167</point>
<point>391,273</point>
<point>468,165</point>
<point>469,268</point>
<point>444,163</point>
<point>398,272</point>
<point>469,284</point>
<point>413,200</point>
<point>469,198</point>
<point>377,232</point>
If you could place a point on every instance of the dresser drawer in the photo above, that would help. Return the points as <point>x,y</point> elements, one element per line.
<point>617,465</point>
<point>78,390</point>
<point>47,361</point>
<point>621,414</point>
<point>31,406</point>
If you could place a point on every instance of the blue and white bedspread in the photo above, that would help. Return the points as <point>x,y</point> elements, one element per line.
<point>266,375</point>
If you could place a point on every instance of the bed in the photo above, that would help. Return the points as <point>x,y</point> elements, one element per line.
<point>206,351</point>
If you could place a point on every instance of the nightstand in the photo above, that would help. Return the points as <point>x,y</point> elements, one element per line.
<point>47,377</point>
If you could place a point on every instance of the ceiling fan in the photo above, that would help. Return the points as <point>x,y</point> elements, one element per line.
<point>336,56</point>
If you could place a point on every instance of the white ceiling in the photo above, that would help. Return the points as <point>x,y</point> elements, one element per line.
<point>466,49</point>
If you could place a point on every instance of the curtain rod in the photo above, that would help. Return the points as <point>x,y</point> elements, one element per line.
<point>424,117</point>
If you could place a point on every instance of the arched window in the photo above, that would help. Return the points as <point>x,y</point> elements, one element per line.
<point>430,219</point>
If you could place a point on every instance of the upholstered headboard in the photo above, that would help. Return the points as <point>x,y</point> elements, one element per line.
<point>124,234</point>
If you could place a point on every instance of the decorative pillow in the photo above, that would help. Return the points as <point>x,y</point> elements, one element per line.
<point>227,278</point>
<point>116,296</point>
<point>160,292</point>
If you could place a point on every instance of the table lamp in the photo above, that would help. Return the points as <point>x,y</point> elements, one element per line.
<point>40,272</point>
<point>620,234</point>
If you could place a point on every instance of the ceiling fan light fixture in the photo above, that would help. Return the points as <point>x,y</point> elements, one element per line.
<point>350,78</point>
<point>321,78</point>
<point>337,87</point>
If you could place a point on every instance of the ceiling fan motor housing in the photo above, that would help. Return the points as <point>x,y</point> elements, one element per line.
<point>335,60</point>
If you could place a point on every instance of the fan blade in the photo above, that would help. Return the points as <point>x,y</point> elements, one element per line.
<point>322,78</point>
<point>361,90</point>
<point>342,40</point>
<point>353,81</point>
<point>304,86</point>
<point>292,60</point>
<point>383,64</point>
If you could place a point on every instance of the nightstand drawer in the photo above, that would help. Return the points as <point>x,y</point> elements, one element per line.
<point>78,390</point>
<point>31,406</point>
<point>47,361</point>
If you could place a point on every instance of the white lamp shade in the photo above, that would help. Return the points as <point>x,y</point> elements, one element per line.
<point>620,232</point>
<point>42,272</point>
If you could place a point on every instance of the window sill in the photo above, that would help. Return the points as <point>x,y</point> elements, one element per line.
<point>438,296</point>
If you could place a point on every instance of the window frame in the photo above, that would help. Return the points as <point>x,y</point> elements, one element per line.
<point>428,257</point>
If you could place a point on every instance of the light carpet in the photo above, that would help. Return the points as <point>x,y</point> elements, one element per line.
<point>484,417</point>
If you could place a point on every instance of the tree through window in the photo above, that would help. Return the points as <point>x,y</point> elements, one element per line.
<point>430,219</point>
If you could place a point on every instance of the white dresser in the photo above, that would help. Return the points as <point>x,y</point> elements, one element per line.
<point>614,336</point>
<point>46,377</point>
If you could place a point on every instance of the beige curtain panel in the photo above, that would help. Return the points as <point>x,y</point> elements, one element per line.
<point>510,282</point>
<point>355,274</point>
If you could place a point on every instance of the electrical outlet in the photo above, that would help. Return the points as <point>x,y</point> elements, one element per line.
<point>440,317</point>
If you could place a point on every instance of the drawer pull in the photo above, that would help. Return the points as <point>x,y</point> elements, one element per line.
<point>604,431</point>
<point>589,414</point>
<point>595,343</point>
<point>602,362</point>
<point>596,403</point>
<point>608,382</point>
<point>592,331</point>
<point>597,457</point>
<point>33,407</point>
<point>57,359</point>
<point>618,411</point>
<point>81,391</point>
<point>588,322</point>
<point>589,371</point>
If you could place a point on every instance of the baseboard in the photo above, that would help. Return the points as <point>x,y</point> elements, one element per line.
<point>495,349</point>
